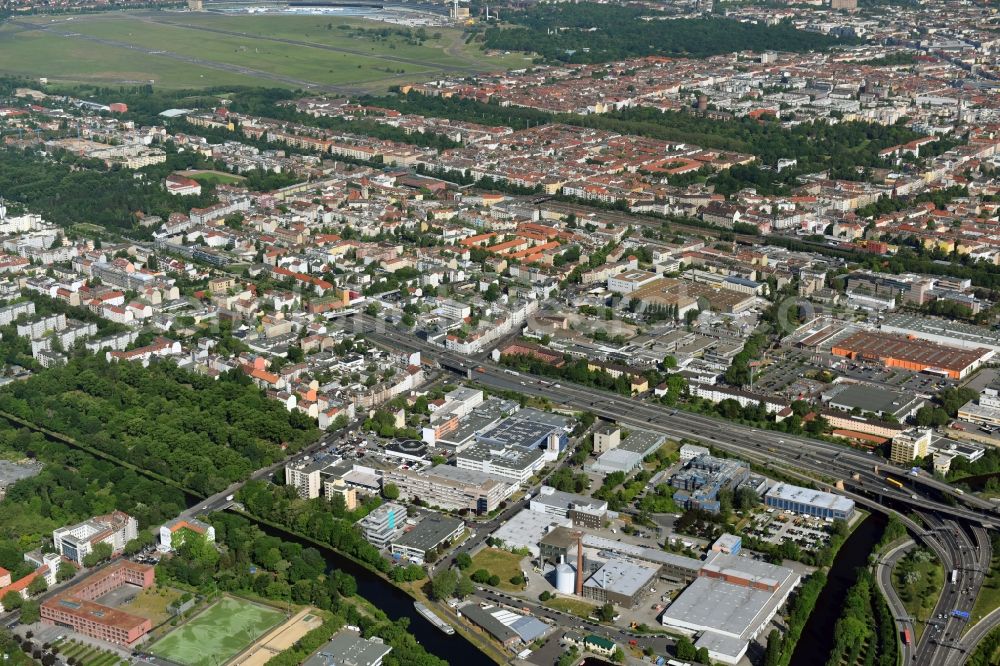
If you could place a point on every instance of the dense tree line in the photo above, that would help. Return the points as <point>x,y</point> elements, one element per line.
<point>981,273</point>
<point>593,33</point>
<point>986,651</point>
<point>866,628</point>
<point>898,59</point>
<point>326,522</point>
<point>800,608</point>
<point>940,198</point>
<point>988,464</point>
<point>200,432</point>
<point>262,103</point>
<point>576,371</point>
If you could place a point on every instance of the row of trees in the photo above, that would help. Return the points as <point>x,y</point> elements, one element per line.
<point>576,371</point>
<point>841,146</point>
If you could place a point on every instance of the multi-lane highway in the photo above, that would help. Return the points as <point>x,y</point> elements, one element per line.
<point>857,470</point>
<point>968,555</point>
<point>883,576</point>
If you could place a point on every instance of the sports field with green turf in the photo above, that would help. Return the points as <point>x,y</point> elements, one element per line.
<point>195,50</point>
<point>218,633</point>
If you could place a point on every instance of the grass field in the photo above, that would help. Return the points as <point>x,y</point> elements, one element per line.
<point>989,594</point>
<point>152,604</point>
<point>503,563</point>
<point>214,177</point>
<point>918,579</point>
<point>141,46</point>
<point>571,606</point>
<point>218,633</point>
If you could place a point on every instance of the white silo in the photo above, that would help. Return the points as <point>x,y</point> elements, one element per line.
<point>565,578</point>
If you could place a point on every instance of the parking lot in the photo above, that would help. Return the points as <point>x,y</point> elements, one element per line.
<point>776,528</point>
<point>798,363</point>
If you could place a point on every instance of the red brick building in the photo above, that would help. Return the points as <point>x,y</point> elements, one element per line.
<point>76,609</point>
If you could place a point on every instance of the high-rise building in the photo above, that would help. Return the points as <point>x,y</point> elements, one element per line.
<point>910,445</point>
<point>304,476</point>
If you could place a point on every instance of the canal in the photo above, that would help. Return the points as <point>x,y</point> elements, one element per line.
<point>393,602</point>
<point>817,637</point>
<point>978,482</point>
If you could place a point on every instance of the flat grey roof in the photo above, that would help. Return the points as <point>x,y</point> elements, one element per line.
<point>621,577</point>
<point>463,393</point>
<point>811,497</point>
<point>527,528</point>
<point>549,419</point>
<point>969,333</point>
<point>549,496</point>
<point>712,603</point>
<point>467,428</point>
<point>495,408</point>
<point>615,460</point>
<point>722,644</point>
<point>470,477</point>
<point>429,532</point>
<point>654,555</point>
<point>872,399</point>
<point>509,457</point>
<point>522,433</point>
<point>605,428</point>
<point>643,442</point>
<point>348,648</point>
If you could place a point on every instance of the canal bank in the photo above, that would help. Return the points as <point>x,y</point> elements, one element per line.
<point>817,639</point>
<point>391,600</point>
<point>382,593</point>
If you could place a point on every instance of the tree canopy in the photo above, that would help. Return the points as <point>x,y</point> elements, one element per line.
<point>590,33</point>
<point>199,432</point>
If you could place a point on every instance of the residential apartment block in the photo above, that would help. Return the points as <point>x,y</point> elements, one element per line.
<point>75,542</point>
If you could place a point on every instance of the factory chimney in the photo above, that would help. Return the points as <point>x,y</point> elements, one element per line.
<point>579,564</point>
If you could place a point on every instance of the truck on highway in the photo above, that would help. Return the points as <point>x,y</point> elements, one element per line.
<point>960,614</point>
<point>954,576</point>
<point>906,636</point>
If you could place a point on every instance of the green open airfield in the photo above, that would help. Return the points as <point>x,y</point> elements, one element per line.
<point>193,50</point>
<point>218,633</point>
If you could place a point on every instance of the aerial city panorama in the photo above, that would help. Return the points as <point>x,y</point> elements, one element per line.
<point>514,332</point>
